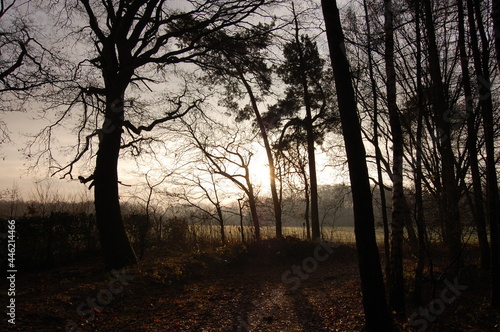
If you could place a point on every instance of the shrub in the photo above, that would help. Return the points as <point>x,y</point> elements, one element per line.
<point>46,241</point>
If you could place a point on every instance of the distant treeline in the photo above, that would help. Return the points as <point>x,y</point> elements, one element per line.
<point>56,233</point>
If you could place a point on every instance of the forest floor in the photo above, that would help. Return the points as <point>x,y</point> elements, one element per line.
<point>274,286</point>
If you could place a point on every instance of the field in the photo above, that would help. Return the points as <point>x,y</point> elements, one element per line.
<point>340,234</point>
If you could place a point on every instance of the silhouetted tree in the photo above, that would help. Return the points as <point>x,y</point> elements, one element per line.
<point>201,189</point>
<point>292,148</point>
<point>478,210</point>
<point>229,159</point>
<point>419,205</point>
<point>239,63</point>
<point>448,204</point>
<point>131,44</point>
<point>396,279</point>
<point>481,59</point>
<point>378,157</point>
<point>372,284</point>
<point>307,89</point>
<point>25,64</point>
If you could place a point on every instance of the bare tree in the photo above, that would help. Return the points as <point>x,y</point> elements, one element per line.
<point>396,283</point>
<point>449,211</point>
<point>203,190</point>
<point>307,88</point>
<point>419,205</point>
<point>478,209</point>
<point>374,300</point>
<point>240,64</point>
<point>295,155</point>
<point>152,185</point>
<point>132,43</point>
<point>230,159</point>
<point>24,61</point>
<point>378,157</point>
<point>481,59</point>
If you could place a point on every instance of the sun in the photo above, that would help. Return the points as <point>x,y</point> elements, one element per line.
<point>259,169</point>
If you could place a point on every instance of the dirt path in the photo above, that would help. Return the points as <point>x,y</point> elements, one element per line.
<point>250,296</point>
<point>264,291</point>
<point>254,297</point>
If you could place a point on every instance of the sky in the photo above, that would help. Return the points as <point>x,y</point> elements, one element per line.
<point>16,171</point>
<point>14,164</point>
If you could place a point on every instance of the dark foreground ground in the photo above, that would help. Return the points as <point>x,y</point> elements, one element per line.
<point>232,289</point>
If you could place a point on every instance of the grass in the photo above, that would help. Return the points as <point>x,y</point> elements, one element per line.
<point>340,234</point>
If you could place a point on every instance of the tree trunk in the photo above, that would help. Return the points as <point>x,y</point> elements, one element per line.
<point>449,198</point>
<point>220,217</point>
<point>316,232</point>
<point>492,196</point>
<point>145,229</point>
<point>269,152</point>
<point>412,236</point>
<point>252,203</point>
<point>377,315</point>
<point>419,205</point>
<point>419,219</point>
<point>218,209</point>
<point>308,204</point>
<point>115,245</point>
<point>240,206</point>
<point>378,157</point>
<point>478,210</point>
<point>270,159</point>
<point>396,278</point>
<point>255,218</point>
<point>313,181</point>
